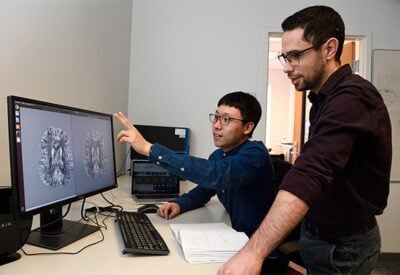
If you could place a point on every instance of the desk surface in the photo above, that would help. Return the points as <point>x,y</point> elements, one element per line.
<point>106,257</point>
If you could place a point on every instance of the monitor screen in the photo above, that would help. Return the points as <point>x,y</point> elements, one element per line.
<point>58,154</point>
<point>175,138</point>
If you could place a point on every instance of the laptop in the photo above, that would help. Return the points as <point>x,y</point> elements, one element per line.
<point>152,183</point>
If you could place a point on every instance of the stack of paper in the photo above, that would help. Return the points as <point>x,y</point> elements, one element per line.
<point>208,242</point>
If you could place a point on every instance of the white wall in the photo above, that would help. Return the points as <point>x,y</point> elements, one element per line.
<point>187,54</point>
<point>68,52</point>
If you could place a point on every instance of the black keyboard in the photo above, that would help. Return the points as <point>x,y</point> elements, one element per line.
<point>139,234</point>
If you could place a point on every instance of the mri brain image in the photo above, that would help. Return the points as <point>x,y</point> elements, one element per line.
<point>95,160</point>
<point>55,161</point>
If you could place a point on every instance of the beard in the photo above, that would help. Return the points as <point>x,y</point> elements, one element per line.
<point>313,79</point>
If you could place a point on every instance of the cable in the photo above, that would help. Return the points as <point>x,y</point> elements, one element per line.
<point>120,171</point>
<point>111,209</point>
<point>102,211</point>
<point>119,207</point>
<point>85,218</point>
<point>66,253</point>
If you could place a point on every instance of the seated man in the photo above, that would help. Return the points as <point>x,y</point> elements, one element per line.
<point>239,172</point>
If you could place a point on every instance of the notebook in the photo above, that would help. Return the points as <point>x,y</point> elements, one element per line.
<point>152,183</point>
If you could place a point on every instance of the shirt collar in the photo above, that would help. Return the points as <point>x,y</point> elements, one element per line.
<point>329,85</point>
<point>234,150</point>
<point>335,78</point>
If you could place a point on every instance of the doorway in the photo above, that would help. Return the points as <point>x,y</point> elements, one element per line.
<point>287,109</point>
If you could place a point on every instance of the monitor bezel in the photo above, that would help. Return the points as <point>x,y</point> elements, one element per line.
<point>156,136</point>
<point>16,172</point>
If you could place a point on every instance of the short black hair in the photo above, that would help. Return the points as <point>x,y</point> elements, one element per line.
<point>319,23</point>
<point>247,104</point>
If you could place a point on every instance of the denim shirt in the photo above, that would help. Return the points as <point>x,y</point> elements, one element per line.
<point>241,178</point>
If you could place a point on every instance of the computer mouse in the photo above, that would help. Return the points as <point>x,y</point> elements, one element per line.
<point>148,208</point>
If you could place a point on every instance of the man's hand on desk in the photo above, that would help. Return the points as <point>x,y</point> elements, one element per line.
<point>169,210</point>
<point>244,262</point>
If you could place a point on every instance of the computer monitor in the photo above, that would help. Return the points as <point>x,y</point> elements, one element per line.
<point>175,138</point>
<point>58,154</point>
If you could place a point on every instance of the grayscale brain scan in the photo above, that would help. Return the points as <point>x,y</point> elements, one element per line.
<point>56,160</point>
<point>95,160</point>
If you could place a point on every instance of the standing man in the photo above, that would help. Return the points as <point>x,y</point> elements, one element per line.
<point>240,171</point>
<point>340,181</point>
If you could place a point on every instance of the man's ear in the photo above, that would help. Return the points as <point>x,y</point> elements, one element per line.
<point>248,127</point>
<point>332,45</point>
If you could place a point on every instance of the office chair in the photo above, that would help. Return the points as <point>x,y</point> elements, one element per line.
<point>289,250</point>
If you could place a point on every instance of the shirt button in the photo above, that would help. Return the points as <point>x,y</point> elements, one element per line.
<point>182,169</point>
<point>160,157</point>
<point>157,162</point>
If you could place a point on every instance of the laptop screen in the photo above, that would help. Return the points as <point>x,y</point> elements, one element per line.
<point>151,181</point>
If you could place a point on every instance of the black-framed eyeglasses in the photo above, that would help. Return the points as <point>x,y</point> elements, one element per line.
<point>293,57</point>
<point>224,119</point>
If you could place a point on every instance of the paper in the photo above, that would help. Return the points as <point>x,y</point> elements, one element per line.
<point>208,242</point>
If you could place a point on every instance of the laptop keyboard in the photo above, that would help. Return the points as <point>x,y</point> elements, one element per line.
<point>155,196</point>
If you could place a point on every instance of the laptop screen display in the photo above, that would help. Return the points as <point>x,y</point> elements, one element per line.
<point>149,180</point>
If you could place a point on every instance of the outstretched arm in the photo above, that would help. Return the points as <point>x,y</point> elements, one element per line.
<point>286,212</point>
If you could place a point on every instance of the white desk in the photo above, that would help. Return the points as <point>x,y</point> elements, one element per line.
<point>106,257</point>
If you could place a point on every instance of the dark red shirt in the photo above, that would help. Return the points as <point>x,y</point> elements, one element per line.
<point>343,171</point>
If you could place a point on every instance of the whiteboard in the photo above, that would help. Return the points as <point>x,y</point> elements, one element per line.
<point>386,78</point>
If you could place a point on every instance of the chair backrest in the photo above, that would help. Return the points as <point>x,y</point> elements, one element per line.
<point>281,167</point>
<point>290,246</point>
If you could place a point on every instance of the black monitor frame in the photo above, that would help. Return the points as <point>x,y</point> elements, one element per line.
<point>175,138</point>
<point>56,232</point>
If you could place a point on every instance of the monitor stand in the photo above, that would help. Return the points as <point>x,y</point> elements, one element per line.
<point>5,259</point>
<point>55,232</point>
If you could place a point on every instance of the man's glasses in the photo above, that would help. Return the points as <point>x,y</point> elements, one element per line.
<point>224,119</point>
<point>293,57</point>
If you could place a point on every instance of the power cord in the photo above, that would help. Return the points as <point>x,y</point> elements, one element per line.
<point>112,208</point>
<point>122,170</point>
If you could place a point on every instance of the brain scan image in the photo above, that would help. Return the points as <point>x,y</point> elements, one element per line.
<point>95,160</point>
<point>56,160</point>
